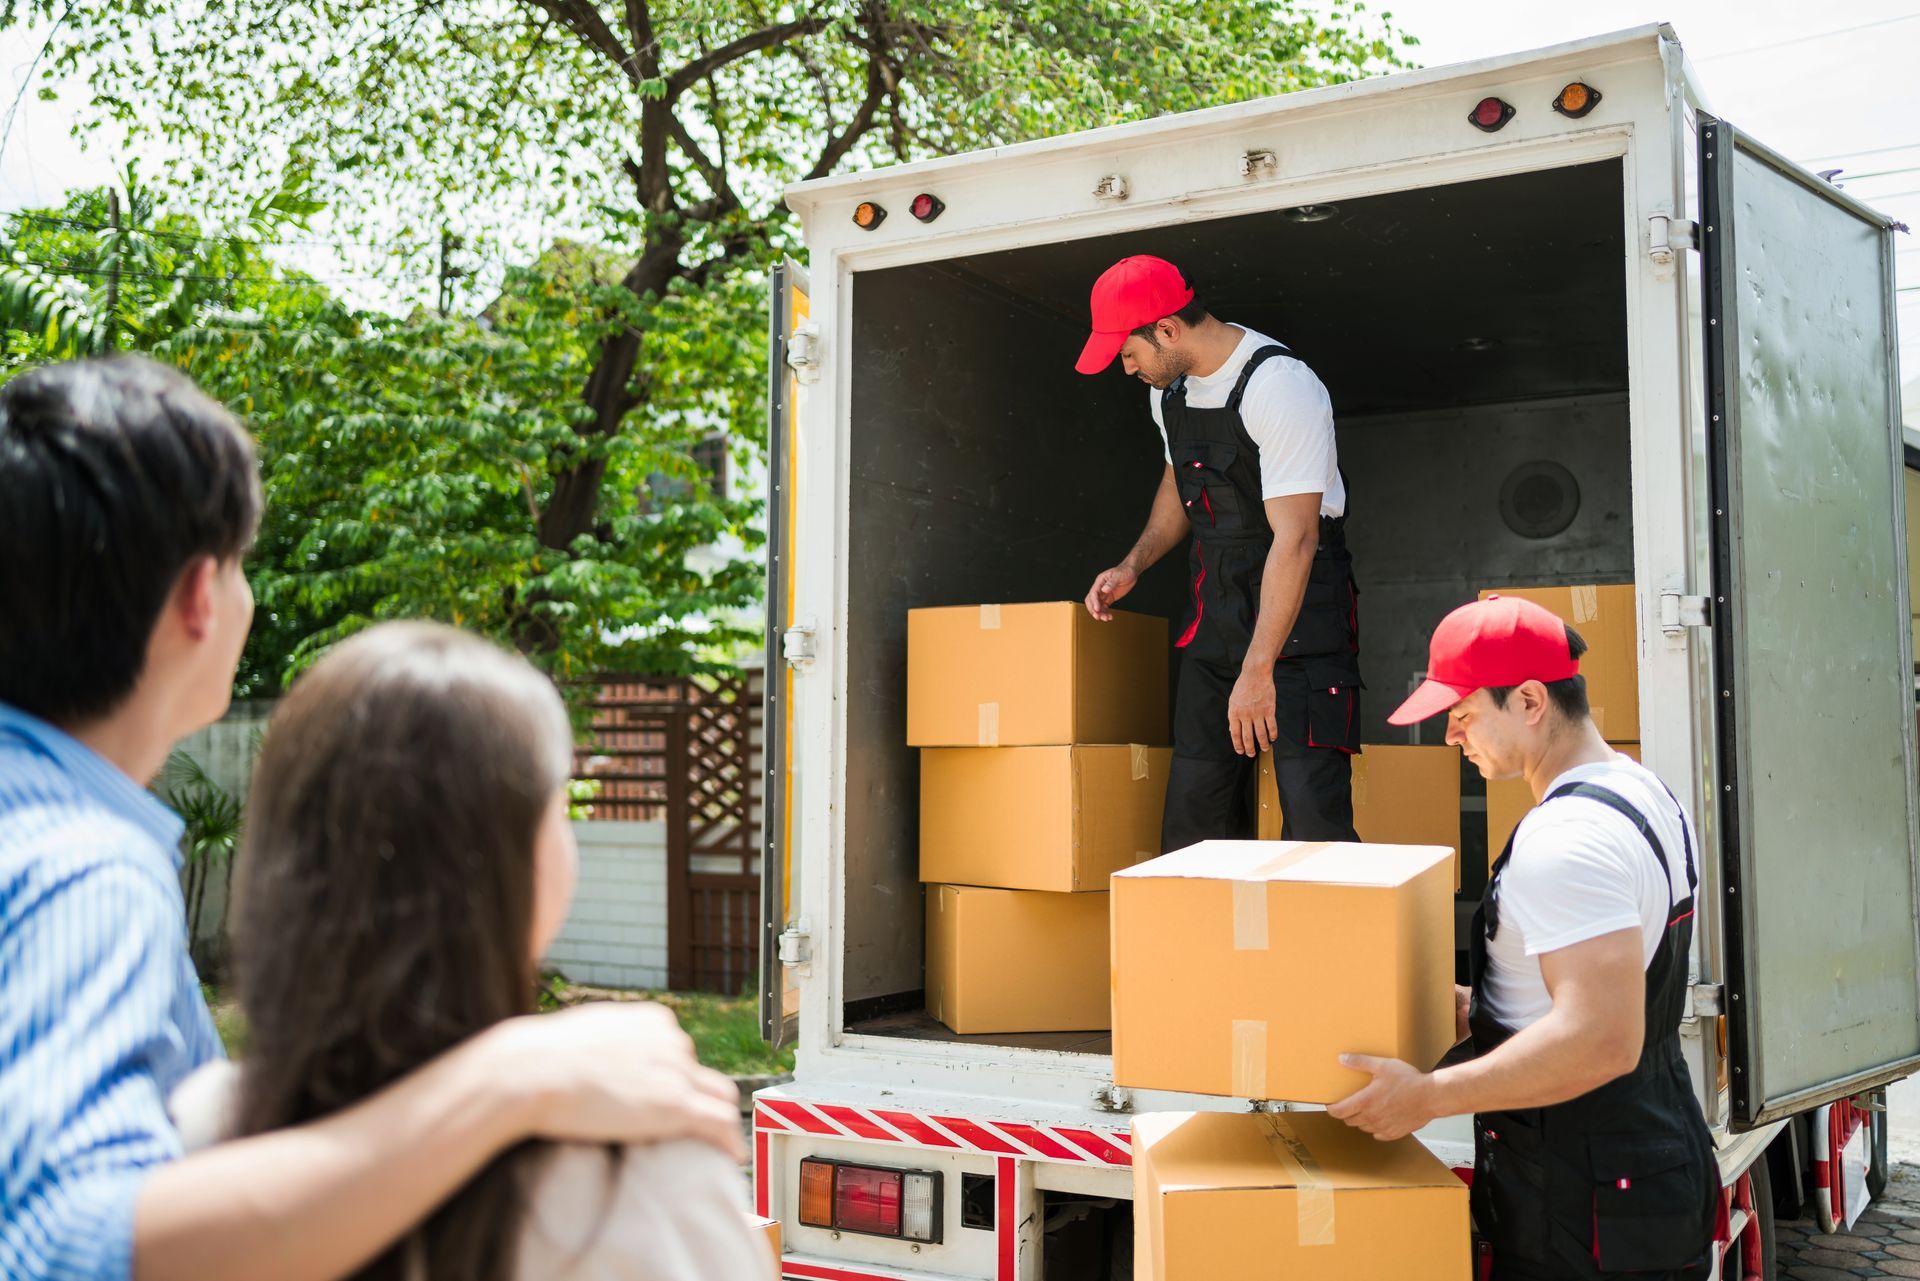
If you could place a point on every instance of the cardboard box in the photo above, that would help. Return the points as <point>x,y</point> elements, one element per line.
<point>1509,799</point>
<point>1604,618</point>
<point>1039,818</point>
<point>1020,675</point>
<point>1302,1193</point>
<point>1401,796</point>
<point>1247,968</point>
<point>768,1230</point>
<point>1017,960</point>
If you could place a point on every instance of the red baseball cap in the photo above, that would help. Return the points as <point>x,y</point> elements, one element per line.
<point>1133,292</point>
<point>1498,642</point>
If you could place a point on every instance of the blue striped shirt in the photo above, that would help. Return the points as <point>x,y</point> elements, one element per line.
<point>101,1013</point>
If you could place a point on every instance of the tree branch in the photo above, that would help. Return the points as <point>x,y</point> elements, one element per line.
<point>716,176</point>
<point>581,18</point>
<point>646,49</point>
<point>766,38</point>
<point>878,76</point>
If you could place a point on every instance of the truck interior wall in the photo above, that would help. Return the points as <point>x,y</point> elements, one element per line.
<point>979,474</point>
<point>1473,341</point>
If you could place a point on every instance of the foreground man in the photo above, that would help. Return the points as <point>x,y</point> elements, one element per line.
<point>1269,648</point>
<point>1592,1158</point>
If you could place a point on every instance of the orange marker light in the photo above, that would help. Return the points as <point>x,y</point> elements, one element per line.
<point>1576,100</point>
<point>816,1193</point>
<point>868,215</point>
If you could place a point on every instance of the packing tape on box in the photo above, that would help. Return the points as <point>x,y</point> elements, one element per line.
<point>1313,1190</point>
<point>1140,769</point>
<point>989,725</point>
<point>1586,605</point>
<point>1250,896</point>
<point>989,618</point>
<point>1248,1075</point>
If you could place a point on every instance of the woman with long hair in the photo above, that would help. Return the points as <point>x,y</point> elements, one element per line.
<point>407,859</point>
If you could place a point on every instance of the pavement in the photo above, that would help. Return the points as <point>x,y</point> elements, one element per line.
<point>1884,1243</point>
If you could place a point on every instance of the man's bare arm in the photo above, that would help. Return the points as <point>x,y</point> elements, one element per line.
<point>316,1201</point>
<point>1166,528</point>
<point>1295,521</point>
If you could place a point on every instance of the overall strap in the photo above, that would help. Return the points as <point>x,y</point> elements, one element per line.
<point>1254,362</point>
<point>1614,801</point>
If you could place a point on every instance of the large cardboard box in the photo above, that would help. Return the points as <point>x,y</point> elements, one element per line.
<point>768,1230</point>
<point>1017,675</point>
<point>1017,960</point>
<point>1509,799</point>
<point>1401,796</point>
<point>1039,818</point>
<point>1603,616</point>
<point>1300,1193</point>
<point>1247,968</point>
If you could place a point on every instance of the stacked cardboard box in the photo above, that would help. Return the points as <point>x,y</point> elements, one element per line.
<point>1401,796</point>
<point>1042,773</point>
<point>1604,617</point>
<point>1302,1193</point>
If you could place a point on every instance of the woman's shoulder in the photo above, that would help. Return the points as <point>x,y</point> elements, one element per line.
<point>672,1211</point>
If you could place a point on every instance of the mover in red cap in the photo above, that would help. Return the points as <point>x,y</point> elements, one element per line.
<point>1270,648</point>
<point>1592,1158</point>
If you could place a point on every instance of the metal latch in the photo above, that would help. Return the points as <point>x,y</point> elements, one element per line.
<point>1259,164</point>
<point>1704,1000</point>
<point>796,945</point>
<point>796,646</point>
<point>1666,234</point>
<point>1112,187</point>
<point>803,352</point>
<point>1679,612</point>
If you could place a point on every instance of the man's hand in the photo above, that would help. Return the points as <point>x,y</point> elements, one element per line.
<point>1462,1003</point>
<point>618,1072</point>
<point>1108,588</point>
<point>1394,1106</point>
<point>1250,717</point>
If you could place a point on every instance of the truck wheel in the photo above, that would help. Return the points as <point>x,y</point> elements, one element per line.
<point>1878,1167</point>
<point>1760,1251</point>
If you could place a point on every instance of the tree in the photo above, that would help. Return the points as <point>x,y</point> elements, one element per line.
<point>668,126</point>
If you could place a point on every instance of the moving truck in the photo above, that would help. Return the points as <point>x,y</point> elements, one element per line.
<point>1571,338</point>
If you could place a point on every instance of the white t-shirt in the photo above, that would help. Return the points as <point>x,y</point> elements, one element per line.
<point>1580,869</point>
<point>1288,414</point>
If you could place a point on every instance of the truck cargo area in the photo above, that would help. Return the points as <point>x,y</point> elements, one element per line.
<point>1473,338</point>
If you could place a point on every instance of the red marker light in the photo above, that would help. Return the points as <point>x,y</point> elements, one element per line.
<point>1491,114</point>
<point>926,207</point>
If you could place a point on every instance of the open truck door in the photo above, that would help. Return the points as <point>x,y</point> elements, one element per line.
<point>1813,656</point>
<point>779,995</point>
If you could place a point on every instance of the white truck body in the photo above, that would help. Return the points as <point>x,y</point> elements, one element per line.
<point>923,357</point>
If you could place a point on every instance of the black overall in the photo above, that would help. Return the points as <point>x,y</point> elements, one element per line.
<point>1622,1180</point>
<point>1216,466</point>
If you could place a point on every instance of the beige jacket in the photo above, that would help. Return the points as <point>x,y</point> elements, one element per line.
<point>663,1212</point>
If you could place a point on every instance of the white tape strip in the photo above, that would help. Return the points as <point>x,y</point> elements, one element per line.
<point>1139,764</point>
<point>989,618</point>
<point>1313,1196</point>
<point>1586,605</point>
<point>989,724</point>
<point>1249,1070</point>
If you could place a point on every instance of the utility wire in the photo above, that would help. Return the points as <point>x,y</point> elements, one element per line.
<point>182,237</point>
<point>1871,151</point>
<point>1817,35</point>
<point>58,269</point>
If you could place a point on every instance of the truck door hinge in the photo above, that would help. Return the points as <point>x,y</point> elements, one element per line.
<point>796,945</point>
<point>803,352</point>
<point>1666,234</point>
<point>796,646</point>
<point>1679,612</point>
<point>1704,1000</point>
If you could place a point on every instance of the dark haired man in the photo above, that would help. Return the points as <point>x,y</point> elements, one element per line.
<point>127,498</point>
<point>1269,644</point>
<point>1592,1157</point>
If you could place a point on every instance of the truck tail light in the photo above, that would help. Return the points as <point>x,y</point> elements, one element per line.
<point>872,1200</point>
<point>1490,115</point>
<point>868,215</point>
<point>927,206</point>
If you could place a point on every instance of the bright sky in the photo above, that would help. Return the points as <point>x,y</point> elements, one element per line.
<point>1835,85</point>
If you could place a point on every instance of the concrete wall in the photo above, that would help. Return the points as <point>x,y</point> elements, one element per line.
<point>616,934</point>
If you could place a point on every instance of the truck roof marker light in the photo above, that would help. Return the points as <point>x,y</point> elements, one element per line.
<point>1312,213</point>
<point>868,215</point>
<point>1490,115</point>
<point>1576,100</point>
<point>926,207</point>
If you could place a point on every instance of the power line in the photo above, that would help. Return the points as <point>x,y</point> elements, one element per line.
<point>81,224</point>
<point>1872,151</point>
<point>59,269</point>
<point>1844,176</point>
<point>1817,35</point>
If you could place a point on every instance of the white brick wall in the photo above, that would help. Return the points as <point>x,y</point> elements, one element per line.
<point>616,932</point>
